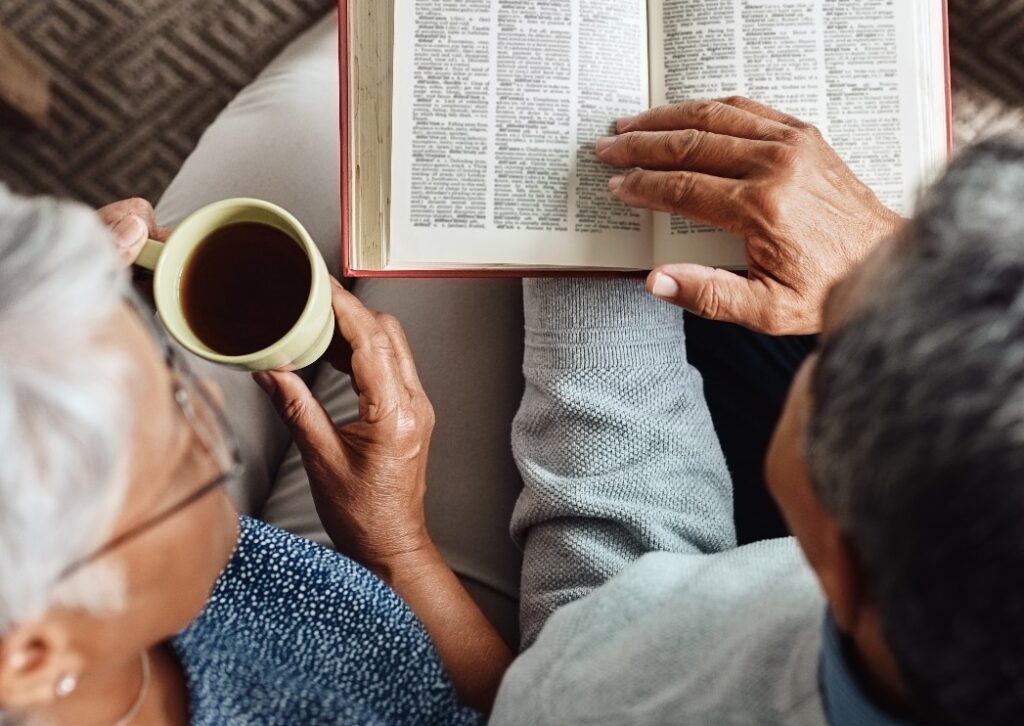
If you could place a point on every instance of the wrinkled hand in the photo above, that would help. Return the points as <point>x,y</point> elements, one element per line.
<point>368,478</point>
<point>766,177</point>
<point>132,222</point>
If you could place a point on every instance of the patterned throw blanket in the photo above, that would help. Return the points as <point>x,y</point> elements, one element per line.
<point>138,82</point>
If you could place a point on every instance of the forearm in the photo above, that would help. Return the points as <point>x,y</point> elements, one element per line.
<point>470,648</point>
<point>614,441</point>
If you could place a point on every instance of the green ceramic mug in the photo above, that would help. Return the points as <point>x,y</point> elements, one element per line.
<point>302,345</point>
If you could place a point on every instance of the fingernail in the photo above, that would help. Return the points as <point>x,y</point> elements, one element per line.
<point>265,381</point>
<point>604,143</point>
<point>665,287</point>
<point>622,123</point>
<point>615,182</point>
<point>130,231</point>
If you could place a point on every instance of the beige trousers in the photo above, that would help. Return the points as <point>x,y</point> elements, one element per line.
<point>278,140</point>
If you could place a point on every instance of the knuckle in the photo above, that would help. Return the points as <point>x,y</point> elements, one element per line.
<point>388,321</point>
<point>801,134</point>
<point>707,111</point>
<point>738,101</point>
<point>686,144</point>
<point>763,199</point>
<point>294,410</point>
<point>380,340</point>
<point>680,188</point>
<point>629,142</point>
<point>374,410</point>
<point>139,206</point>
<point>668,147</point>
<point>782,157</point>
<point>428,415</point>
<point>792,136</point>
<point>708,302</point>
<point>763,252</point>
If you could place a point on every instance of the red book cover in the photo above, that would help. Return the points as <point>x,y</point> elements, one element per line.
<point>346,181</point>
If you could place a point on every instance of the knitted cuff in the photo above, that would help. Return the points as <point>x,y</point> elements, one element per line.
<point>599,323</point>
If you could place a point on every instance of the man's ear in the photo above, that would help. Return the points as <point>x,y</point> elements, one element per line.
<point>37,665</point>
<point>842,579</point>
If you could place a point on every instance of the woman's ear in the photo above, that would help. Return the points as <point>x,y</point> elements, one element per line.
<point>37,665</point>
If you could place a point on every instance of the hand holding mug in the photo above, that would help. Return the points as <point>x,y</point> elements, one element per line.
<point>764,176</point>
<point>368,478</point>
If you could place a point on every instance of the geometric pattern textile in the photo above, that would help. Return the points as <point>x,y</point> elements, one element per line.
<point>135,84</point>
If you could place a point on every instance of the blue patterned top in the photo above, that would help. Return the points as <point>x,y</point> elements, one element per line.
<point>295,634</point>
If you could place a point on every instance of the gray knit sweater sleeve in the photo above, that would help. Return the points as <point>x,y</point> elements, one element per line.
<point>614,442</point>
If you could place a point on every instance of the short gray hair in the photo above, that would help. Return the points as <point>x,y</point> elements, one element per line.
<point>65,420</point>
<point>916,440</point>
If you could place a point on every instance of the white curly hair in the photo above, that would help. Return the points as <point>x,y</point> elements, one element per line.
<point>64,408</point>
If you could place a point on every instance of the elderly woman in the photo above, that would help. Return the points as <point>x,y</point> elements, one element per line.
<point>113,444</point>
<point>130,588</point>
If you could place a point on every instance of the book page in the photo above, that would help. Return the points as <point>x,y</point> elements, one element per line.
<point>497,105</point>
<point>870,74</point>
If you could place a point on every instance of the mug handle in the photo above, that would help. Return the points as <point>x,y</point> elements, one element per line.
<point>150,254</point>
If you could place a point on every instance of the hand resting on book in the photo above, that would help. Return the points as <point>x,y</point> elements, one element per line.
<point>764,176</point>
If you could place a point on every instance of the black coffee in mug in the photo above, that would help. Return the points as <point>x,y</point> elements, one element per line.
<point>244,287</point>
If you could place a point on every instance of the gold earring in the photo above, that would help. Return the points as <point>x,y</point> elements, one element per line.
<point>66,685</point>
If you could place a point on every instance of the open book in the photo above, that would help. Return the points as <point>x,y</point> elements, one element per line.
<point>468,126</point>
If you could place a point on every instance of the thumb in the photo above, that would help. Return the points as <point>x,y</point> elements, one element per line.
<point>711,293</point>
<point>308,421</point>
<point>130,234</point>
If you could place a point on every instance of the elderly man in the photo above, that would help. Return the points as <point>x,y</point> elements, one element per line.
<point>898,463</point>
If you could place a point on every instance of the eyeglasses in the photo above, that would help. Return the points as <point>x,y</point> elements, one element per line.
<point>207,422</point>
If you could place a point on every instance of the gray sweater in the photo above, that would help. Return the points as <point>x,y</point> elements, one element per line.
<point>637,605</point>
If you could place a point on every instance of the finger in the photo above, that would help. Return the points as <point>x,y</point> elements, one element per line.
<point>132,222</point>
<point>130,235</point>
<point>311,426</point>
<point>137,206</point>
<point>706,199</point>
<point>712,293</point>
<point>339,353</point>
<point>403,354</point>
<point>687,150</point>
<point>759,109</point>
<point>374,366</point>
<point>713,116</point>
